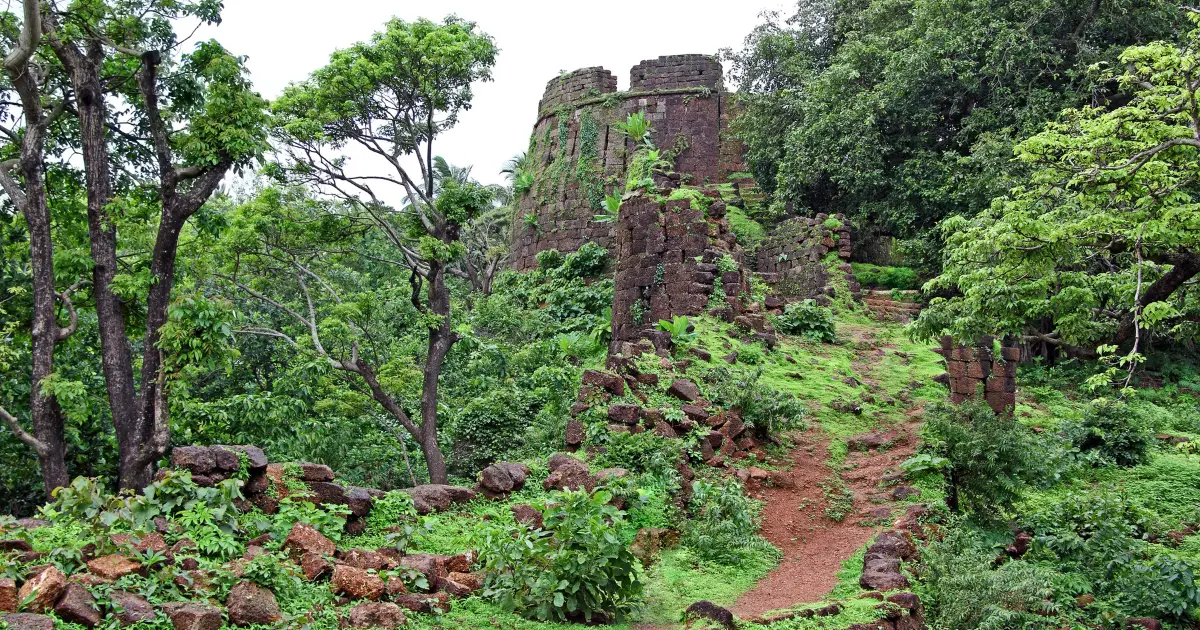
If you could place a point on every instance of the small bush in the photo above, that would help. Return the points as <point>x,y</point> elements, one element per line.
<point>991,456</point>
<point>807,319</point>
<point>763,408</point>
<point>574,569</point>
<point>724,525</point>
<point>1110,432</point>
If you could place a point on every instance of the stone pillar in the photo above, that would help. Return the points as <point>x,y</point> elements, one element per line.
<point>970,367</point>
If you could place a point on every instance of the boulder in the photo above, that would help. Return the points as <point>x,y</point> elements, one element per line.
<point>695,412</point>
<point>431,566</point>
<point>305,539</point>
<point>364,559</point>
<point>576,433</point>
<point>113,566</point>
<point>377,615</point>
<point>8,596</point>
<point>891,544</point>
<point>869,441</point>
<point>608,474</point>
<point>315,472</point>
<point>197,459</point>
<point>356,583</point>
<point>250,604</point>
<point>558,460</point>
<point>612,383</point>
<point>496,479</point>
<point>882,575</point>
<point>42,590</point>
<point>650,541</point>
<point>129,608</point>
<point>907,601</point>
<point>394,586</point>
<point>256,459</point>
<point>431,498</point>
<point>227,460</point>
<point>684,390</point>
<point>460,584</point>
<point>76,605</point>
<point>665,430</point>
<point>623,413</point>
<point>193,616</point>
<point>24,621</point>
<point>570,475</point>
<point>733,426</point>
<point>315,566</point>
<point>14,545</point>
<point>525,514</point>
<point>424,603</point>
<point>1143,623</point>
<point>461,563</point>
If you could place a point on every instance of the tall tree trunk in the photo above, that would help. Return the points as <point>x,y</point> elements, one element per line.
<point>48,439</point>
<point>440,341</point>
<point>47,417</point>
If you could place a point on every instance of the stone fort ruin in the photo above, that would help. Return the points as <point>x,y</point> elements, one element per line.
<point>667,246</point>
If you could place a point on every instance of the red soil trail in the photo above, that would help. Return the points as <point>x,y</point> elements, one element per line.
<point>814,546</point>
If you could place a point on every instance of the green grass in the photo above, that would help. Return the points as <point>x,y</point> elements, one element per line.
<point>679,580</point>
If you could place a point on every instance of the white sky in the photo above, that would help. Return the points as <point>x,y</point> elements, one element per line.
<point>285,40</point>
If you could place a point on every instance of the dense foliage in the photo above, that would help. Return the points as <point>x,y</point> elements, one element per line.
<point>1099,245</point>
<point>899,116</point>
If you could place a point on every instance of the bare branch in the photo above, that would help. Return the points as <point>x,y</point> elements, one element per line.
<point>21,434</point>
<point>31,36</point>
<point>73,325</point>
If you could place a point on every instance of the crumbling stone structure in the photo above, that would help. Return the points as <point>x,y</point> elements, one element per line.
<point>792,257</point>
<point>666,256</point>
<point>968,368</point>
<point>580,157</point>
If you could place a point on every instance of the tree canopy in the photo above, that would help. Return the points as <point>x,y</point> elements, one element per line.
<point>901,113</point>
<point>1103,241</point>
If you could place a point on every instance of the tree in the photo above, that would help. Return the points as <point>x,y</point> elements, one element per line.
<point>34,90</point>
<point>150,147</point>
<point>1103,243</point>
<point>392,97</point>
<point>900,117</point>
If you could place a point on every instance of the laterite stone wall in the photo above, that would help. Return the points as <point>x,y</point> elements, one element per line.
<point>580,157</point>
<point>970,367</point>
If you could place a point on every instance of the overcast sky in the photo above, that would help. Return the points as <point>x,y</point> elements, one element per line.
<point>285,40</point>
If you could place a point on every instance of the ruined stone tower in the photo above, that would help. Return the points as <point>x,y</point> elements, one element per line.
<point>580,157</point>
<point>672,244</point>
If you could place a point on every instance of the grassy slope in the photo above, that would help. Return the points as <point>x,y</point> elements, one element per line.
<point>814,372</point>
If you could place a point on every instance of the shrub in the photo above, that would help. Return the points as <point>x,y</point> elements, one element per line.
<point>877,277</point>
<point>962,587</point>
<point>574,569</point>
<point>724,525</point>
<point>763,408</point>
<point>637,452</point>
<point>1110,432</point>
<point>991,456</point>
<point>807,319</point>
<point>1103,536</point>
<point>488,428</point>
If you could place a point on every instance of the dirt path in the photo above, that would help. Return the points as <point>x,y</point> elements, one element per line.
<point>800,502</point>
<point>795,520</point>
